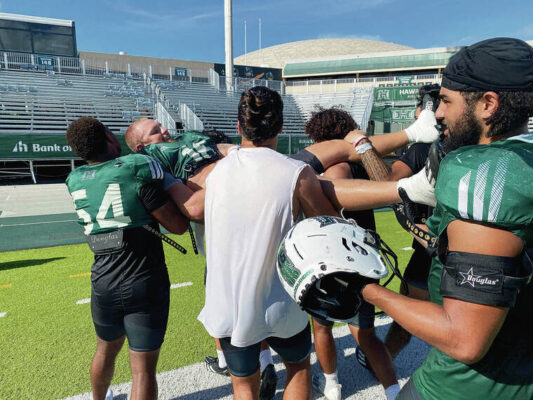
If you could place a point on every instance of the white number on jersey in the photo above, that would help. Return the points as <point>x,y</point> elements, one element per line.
<point>112,199</point>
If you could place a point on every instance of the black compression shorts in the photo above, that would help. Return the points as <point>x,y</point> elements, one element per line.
<point>244,361</point>
<point>138,310</point>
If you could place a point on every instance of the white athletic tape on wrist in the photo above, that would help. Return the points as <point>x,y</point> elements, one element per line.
<point>358,140</point>
<point>363,148</point>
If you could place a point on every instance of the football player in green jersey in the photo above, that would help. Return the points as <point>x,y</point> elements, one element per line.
<point>190,156</point>
<point>115,197</point>
<point>481,293</point>
<point>193,154</point>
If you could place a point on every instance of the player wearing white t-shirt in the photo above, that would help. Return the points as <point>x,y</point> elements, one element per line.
<point>253,197</point>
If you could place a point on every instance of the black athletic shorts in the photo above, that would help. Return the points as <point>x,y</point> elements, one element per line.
<point>137,309</point>
<point>417,271</point>
<point>363,320</point>
<point>244,361</point>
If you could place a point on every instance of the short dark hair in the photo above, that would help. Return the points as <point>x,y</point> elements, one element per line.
<point>513,111</point>
<point>328,124</point>
<point>260,114</point>
<point>87,137</point>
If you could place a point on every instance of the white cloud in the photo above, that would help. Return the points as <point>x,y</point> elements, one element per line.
<point>162,19</point>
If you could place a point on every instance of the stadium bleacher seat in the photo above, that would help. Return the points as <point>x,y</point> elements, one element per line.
<point>52,101</point>
<point>217,108</point>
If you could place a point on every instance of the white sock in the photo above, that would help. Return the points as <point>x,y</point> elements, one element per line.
<point>331,379</point>
<point>265,358</point>
<point>392,391</point>
<point>221,359</point>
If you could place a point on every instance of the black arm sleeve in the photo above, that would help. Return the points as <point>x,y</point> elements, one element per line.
<point>310,159</point>
<point>153,196</point>
<point>415,156</point>
<point>483,279</point>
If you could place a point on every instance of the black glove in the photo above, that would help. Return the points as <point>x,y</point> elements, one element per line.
<point>435,156</point>
<point>429,103</point>
<point>406,214</point>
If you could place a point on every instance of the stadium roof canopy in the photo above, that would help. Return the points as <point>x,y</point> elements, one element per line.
<point>279,55</point>
<point>36,20</point>
<point>371,62</point>
<point>403,60</point>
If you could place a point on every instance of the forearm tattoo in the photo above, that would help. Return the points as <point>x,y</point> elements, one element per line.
<point>376,169</point>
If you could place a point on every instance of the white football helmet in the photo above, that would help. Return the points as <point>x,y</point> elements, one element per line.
<point>323,262</point>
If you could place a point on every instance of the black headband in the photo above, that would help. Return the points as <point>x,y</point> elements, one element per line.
<point>500,64</point>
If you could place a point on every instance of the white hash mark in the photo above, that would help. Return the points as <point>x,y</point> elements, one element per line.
<point>178,285</point>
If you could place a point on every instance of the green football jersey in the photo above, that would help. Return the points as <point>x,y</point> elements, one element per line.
<point>490,184</point>
<point>106,195</point>
<point>183,156</point>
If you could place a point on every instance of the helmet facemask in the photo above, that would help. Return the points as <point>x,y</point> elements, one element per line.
<point>324,262</point>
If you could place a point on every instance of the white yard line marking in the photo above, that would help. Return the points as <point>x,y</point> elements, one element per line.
<point>178,285</point>
<point>2,314</point>
<point>83,301</point>
<point>407,248</point>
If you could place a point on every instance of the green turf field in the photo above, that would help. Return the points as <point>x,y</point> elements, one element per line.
<point>48,340</point>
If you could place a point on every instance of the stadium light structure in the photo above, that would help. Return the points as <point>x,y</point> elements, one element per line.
<point>229,44</point>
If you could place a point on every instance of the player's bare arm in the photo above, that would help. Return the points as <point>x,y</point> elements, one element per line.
<point>339,171</point>
<point>335,151</point>
<point>387,143</point>
<point>309,198</point>
<point>169,216</point>
<point>190,203</point>
<point>359,194</point>
<point>399,170</point>
<point>461,329</point>
<point>376,169</point>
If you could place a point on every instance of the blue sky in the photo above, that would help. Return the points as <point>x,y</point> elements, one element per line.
<point>194,30</point>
